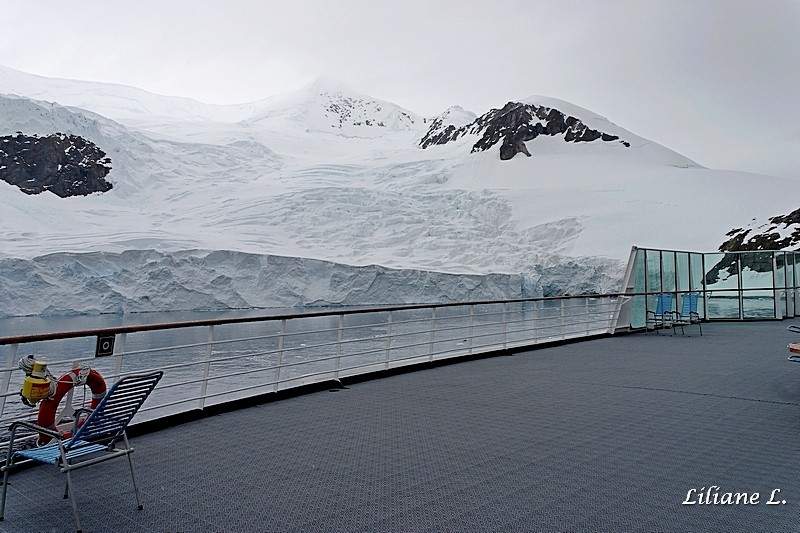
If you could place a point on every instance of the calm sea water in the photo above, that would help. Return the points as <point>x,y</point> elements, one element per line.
<point>29,325</point>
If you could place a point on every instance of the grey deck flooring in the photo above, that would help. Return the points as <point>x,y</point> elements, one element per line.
<point>604,435</point>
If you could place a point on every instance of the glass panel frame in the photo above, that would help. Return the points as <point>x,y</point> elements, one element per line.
<point>639,303</point>
<point>652,271</point>
<point>697,280</point>
<point>724,304</point>
<point>749,285</point>
<point>757,270</point>
<point>682,271</point>
<point>668,272</point>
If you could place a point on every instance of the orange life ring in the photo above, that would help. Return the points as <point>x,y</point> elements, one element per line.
<point>48,407</point>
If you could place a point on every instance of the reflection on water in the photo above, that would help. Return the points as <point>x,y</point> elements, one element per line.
<point>752,307</point>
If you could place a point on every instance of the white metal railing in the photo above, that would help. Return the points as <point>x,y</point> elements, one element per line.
<point>212,362</point>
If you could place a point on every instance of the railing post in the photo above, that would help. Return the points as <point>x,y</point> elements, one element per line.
<point>339,337</point>
<point>432,334</point>
<point>471,322</point>
<point>388,340</point>
<point>206,367</point>
<point>586,330</point>
<point>563,325</point>
<point>119,353</point>
<point>505,325</point>
<point>10,358</point>
<point>280,354</point>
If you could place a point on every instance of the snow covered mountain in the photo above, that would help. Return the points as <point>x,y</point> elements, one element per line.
<point>780,232</point>
<point>328,106</point>
<point>339,180</point>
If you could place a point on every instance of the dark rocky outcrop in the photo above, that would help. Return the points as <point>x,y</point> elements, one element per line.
<point>66,165</point>
<point>780,232</point>
<point>512,126</point>
<point>766,236</point>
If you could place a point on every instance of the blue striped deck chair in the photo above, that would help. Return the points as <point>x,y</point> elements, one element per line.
<point>662,316</point>
<point>95,441</point>
<point>688,314</point>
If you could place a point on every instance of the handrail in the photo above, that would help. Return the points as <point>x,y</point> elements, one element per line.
<point>219,365</point>
<point>36,337</point>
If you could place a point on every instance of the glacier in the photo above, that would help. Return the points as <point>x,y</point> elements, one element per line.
<point>198,280</point>
<point>325,197</point>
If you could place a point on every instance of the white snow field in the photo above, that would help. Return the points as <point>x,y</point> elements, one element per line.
<point>324,196</point>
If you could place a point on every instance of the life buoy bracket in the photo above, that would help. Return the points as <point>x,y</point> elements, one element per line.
<point>69,380</point>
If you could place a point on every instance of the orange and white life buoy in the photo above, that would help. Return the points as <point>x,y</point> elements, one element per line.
<point>76,376</point>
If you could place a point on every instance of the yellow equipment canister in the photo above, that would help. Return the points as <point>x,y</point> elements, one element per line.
<point>36,386</point>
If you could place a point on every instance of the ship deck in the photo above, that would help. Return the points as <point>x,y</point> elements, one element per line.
<point>609,434</point>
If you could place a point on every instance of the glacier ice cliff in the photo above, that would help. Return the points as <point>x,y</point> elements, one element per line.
<point>193,280</point>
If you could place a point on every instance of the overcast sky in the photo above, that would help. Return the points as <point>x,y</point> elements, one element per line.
<point>716,80</point>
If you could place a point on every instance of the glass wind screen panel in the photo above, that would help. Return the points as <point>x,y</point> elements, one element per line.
<point>796,302</point>
<point>790,274</point>
<point>668,271</point>
<point>757,270</point>
<point>758,306</point>
<point>682,270</point>
<point>723,304</point>
<point>696,271</point>
<point>653,270</point>
<point>721,272</point>
<point>638,311</point>
<point>639,303</point>
<point>780,269</point>
<point>782,305</point>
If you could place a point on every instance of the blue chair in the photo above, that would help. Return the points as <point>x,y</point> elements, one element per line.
<point>662,316</point>
<point>95,441</point>
<point>688,314</point>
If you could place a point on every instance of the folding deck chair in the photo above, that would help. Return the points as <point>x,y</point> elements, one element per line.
<point>95,441</point>
<point>662,317</point>
<point>688,314</point>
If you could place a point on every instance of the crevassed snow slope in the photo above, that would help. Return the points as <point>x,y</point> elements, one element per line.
<point>330,174</point>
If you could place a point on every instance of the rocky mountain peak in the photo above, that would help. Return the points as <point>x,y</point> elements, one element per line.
<point>345,108</point>
<point>780,232</point>
<point>330,106</point>
<point>66,165</point>
<point>512,126</point>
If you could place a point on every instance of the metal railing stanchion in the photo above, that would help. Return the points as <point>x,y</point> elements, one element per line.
<point>10,358</point>
<point>471,324</point>
<point>388,340</point>
<point>339,337</point>
<point>206,368</point>
<point>280,354</point>
<point>119,353</point>
<point>505,325</point>
<point>432,334</point>
<point>586,329</point>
